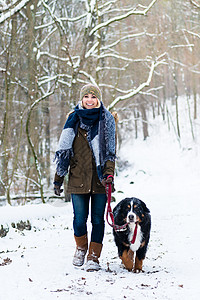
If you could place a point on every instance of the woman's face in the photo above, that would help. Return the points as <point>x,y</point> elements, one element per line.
<point>90,101</point>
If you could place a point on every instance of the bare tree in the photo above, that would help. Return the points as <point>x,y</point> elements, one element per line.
<point>141,54</point>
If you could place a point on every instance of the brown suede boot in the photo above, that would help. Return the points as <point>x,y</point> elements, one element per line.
<point>81,249</point>
<point>93,256</point>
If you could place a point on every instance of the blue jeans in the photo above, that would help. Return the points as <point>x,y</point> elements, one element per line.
<point>81,210</point>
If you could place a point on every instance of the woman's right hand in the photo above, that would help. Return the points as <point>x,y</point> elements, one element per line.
<point>57,190</point>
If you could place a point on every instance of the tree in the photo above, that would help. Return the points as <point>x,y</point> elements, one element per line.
<point>140,54</point>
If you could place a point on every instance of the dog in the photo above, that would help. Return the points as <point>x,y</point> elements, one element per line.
<point>132,232</point>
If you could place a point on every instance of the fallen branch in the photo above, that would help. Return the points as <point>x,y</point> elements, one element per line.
<point>31,197</point>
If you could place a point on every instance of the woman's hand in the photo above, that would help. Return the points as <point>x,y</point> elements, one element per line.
<point>57,190</point>
<point>107,179</point>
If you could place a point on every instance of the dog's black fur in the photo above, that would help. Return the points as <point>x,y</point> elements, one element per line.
<point>125,212</point>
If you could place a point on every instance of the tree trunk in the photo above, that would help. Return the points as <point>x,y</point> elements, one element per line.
<point>144,121</point>
<point>136,122</point>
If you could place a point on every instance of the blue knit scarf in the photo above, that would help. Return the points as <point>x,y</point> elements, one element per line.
<point>100,126</point>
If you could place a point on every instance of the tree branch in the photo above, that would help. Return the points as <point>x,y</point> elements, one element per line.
<point>195,4</point>
<point>192,33</point>
<point>139,88</point>
<point>119,18</point>
<point>31,143</point>
<point>13,9</point>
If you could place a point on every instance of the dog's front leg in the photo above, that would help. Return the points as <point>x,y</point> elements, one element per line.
<point>125,254</point>
<point>127,259</point>
<point>140,256</point>
<point>138,265</point>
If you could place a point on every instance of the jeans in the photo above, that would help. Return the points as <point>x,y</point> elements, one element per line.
<point>81,210</point>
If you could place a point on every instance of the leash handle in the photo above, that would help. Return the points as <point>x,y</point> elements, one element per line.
<point>110,176</point>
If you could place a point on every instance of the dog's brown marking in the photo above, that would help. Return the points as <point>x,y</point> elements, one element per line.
<point>138,265</point>
<point>125,220</point>
<point>126,245</point>
<point>135,206</point>
<point>129,206</point>
<point>138,219</point>
<point>131,254</point>
<point>127,261</point>
<point>142,244</point>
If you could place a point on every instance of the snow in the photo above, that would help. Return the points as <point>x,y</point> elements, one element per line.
<point>161,173</point>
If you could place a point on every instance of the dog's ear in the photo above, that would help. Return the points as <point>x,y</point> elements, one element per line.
<point>117,208</point>
<point>145,208</point>
<point>119,212</point>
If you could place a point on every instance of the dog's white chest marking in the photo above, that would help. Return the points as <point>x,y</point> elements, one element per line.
<point>134,247</point>
<point>138,240</point>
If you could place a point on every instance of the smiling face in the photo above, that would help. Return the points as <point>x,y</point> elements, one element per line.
<point>90,101</point>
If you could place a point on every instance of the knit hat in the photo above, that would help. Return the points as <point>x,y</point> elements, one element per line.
<point>90,89</point>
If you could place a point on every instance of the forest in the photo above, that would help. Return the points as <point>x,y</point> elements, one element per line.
<point>143,55</point>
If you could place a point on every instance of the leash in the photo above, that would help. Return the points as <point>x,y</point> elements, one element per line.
<point>135,233</point>
<point>109,212</point>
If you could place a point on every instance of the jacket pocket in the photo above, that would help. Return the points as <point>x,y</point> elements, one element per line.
<point>75,175</point>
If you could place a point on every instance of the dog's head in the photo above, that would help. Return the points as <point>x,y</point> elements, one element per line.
<point>130,210</point>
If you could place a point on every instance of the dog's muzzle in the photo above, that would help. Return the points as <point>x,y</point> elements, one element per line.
<point>131,218</point>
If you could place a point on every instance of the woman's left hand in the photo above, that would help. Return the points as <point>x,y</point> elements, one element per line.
<point>107,179</point>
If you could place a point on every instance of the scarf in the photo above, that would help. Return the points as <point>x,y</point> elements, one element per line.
<point>100,126</point>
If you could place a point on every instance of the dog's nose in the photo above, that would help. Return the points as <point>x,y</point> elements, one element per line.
<point>131,218</point>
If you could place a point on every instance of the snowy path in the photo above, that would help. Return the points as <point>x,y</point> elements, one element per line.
<point>39,261</point>
<point>41,264</point>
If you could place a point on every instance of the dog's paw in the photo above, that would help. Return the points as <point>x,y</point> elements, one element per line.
<point>138,271</point>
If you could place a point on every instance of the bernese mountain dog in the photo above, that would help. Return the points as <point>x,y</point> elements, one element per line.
<point>132,232</point>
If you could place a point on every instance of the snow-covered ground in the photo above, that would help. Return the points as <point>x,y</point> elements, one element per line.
<point>37,264</point>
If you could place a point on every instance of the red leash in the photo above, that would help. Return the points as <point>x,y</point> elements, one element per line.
<point>110,213</point>
<point>109,210</point>
<point>135,233</point>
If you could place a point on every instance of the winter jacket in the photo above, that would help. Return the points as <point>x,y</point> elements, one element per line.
<point>82,176</point>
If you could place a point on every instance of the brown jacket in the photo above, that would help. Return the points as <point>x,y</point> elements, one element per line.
<point>82,177</point>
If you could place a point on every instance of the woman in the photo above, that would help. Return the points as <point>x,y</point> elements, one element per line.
<point>87,149</point>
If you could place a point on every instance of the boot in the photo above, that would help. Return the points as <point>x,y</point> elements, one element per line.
<point>81,249</point>
<point>93,256</point>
